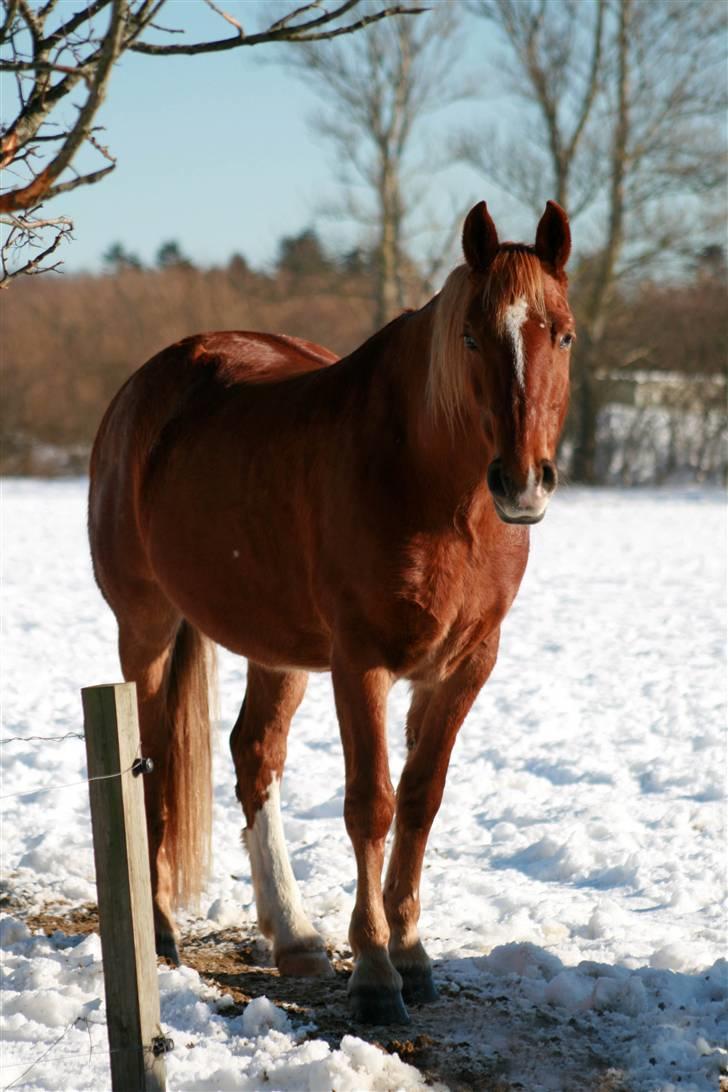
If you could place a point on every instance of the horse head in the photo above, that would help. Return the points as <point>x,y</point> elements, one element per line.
<point>518,326</point>
<point>508,329</point>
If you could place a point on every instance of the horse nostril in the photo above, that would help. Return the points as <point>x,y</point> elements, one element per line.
<point>549,475</point>
<point>497,479</point>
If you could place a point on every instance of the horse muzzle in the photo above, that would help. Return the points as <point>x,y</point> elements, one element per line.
<point>527,503</point>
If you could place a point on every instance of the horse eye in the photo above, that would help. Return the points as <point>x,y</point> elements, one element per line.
<point>470,342</point>
<point>567,341</point>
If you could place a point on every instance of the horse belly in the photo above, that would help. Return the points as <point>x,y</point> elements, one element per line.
<point>246,609</point>
<point>234,563</point>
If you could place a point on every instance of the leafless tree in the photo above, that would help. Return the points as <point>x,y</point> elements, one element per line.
<point>61,56</point>
<point>626,106</point>
<point>377,89</point>
<point>555,66</point>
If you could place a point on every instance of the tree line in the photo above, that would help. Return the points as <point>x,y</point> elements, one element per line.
<point>301,253</point>
<point>614,107</point>
<point>70,342</point>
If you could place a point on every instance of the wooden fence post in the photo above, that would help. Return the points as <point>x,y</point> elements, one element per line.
<point>111,728</point>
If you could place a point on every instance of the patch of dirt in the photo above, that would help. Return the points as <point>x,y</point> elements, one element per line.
<point>80,920</point>
<point>473,1038</point>
<point>238,965</point>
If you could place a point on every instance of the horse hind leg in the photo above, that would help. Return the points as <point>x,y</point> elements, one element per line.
<point>258,744</point>
<point>168,661</point>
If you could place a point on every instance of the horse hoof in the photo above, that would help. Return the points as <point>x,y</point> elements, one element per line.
<point>371,1005</point>
<point>418,986</point>
<point>167,947</point>
<point>304,963</point>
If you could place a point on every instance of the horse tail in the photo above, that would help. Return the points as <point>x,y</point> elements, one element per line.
<point>188,795</point>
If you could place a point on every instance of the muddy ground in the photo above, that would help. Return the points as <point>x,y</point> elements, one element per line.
<point>475,1037</point>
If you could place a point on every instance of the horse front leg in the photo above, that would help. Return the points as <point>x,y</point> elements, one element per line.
<point>361,702</point>
<point>432,725</point>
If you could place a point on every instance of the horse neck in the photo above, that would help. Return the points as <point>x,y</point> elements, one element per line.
<point>447,464</point>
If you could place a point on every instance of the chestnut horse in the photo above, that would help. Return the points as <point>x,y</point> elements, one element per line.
<point>367,516</point>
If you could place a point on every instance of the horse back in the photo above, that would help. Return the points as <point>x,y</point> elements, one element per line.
<point>154,394</point>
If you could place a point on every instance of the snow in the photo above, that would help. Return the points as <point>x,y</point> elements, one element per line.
<point>577,864</point>
<point>53,982</point>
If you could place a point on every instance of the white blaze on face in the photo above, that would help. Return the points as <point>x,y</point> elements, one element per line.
<point>514,318</point>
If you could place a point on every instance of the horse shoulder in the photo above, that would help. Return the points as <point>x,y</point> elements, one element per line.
<point>453,591</point>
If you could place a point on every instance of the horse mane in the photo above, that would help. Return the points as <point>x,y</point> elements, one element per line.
<point>514,274</point>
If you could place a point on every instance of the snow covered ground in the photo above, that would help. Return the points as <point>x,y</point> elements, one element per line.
<point>576,870</point>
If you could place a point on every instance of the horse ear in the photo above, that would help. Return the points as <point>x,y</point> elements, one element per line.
<point>480,239</point>
<point>553,236</point>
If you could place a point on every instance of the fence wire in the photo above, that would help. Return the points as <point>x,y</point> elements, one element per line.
<point>71,784</point>
<point>93,1050</point>
<point>41,739</point>
<point>161,1043</point>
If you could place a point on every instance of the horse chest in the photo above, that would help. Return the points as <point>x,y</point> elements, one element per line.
<point>450,600</point>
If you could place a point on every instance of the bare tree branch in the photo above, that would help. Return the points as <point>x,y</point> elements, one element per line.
<point>30,231</point>
<point>547,39</point>
<point>286,19</point>
<point>83,16</point>
<point>42,66</point>
<point>43,185</point>
<point>225,15</point>
<point>10,13</point>
<point>68,59</point>
<point>591,88</point>
<point>302,32</point>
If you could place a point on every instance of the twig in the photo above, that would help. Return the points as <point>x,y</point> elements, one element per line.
<point>25,231</point>
<point>226,16</point>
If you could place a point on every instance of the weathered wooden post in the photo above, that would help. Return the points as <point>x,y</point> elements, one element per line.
<point>136,1043</point>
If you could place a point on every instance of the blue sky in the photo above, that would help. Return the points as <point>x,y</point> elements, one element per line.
<point>218,152</point>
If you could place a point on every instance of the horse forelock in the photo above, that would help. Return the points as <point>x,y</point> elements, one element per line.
<point>515,277</point>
